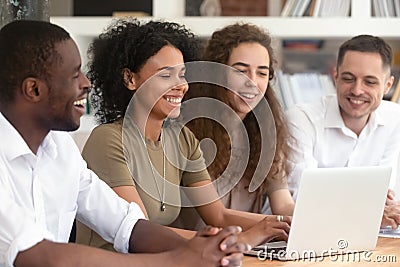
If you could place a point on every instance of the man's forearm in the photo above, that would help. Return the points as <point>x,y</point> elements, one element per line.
<point>52,254</point>
<point>149,237</point>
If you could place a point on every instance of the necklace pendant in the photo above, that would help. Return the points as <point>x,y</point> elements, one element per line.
<point>162,208</point>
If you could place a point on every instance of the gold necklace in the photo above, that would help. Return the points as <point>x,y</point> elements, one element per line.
<point>161,196</point>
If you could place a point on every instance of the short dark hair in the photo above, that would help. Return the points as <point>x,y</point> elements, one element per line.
<point>27,50</point>
<point>367,43</point>
<point>128,44</point>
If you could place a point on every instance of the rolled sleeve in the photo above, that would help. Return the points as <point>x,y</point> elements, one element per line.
<point>121,241</point>
<point>102,210</point>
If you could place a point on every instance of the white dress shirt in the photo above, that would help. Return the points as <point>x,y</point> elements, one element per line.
<point>41,194</point>
<point>323,140</point>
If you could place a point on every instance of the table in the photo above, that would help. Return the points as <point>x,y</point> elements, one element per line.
<point>386,253</point>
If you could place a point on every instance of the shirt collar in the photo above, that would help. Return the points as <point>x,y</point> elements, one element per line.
<point>377,117</point>
<point>12,142</point>
<point>49,146</point>
<point>335,120</point>
<point>15,146</point>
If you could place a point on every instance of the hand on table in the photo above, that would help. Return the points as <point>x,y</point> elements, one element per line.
<point>391,216</point>
<point>271,227</point>
<point>390,197</point>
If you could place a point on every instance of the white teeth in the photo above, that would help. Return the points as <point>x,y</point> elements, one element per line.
<point>81,102</point>
<point>250,96</point>
<point>357,102</point>
<point>174,100</point>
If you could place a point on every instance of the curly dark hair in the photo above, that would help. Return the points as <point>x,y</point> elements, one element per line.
<point>219,49</point>
<point>129,43</point>
<point>27,49</point>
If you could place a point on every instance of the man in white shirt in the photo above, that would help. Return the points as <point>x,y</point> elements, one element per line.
<point>354,127</point>
<point>44,182</point>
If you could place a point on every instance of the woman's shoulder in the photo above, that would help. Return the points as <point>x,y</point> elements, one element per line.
<point>108,129</point>
<point>104,136</point>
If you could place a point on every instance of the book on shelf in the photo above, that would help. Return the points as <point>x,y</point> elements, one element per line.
<point>301,8</point>
<point>386,8</point>
<point>376,8</point>
<point>396,7</point>
<point>316,8</point>
<point>311,8</point>
<point>277,90</point>
<point>334,8</point>
<point>302,87</point>
<point>285,89</point>
<point>287,8</point>
<point>390,8</point>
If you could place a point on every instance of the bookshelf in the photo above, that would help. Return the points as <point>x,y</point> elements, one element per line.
<point>359,22</point>
<point>84,29</point>
<point>334,29</point>
<point>280,27</point>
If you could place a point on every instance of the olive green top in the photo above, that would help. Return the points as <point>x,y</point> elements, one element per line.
<point>117,154</point>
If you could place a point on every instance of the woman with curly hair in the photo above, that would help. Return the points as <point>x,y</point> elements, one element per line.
<point>246,49</point>
<point>137,72</point>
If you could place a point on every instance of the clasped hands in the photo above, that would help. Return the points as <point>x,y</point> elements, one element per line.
<point>216,247</point>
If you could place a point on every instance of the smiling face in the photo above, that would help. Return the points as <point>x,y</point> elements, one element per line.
<point>361,82</point>
<point>249,77</point>
<point>161,83</point>
<point>67,89</point>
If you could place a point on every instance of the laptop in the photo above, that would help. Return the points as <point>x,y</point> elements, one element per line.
<point>338,211</point>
